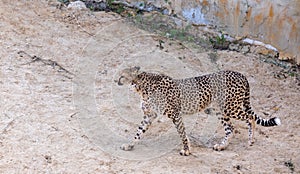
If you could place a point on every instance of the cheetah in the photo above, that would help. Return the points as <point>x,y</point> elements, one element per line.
<point>161,94</point>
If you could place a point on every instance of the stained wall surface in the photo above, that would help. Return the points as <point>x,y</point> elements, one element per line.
<point>274,22</point>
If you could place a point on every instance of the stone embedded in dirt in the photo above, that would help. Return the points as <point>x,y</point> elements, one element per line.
<point>96,5</point>
<point>77,5</point>
<point>233,47</point>
<point>245,49</point>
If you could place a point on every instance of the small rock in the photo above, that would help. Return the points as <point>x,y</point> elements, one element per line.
<point>77,5</point>
<point>48,158</point>
<point>166,12</point>
<point>238,167</point>
<point>245,49</point>
<point>96,6</point>
<point>233,47</point>
<point>266,52</point>
<point>285,56</point>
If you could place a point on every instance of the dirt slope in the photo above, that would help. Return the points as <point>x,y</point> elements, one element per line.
<point>61,111</point>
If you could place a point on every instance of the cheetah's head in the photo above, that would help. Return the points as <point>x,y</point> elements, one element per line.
<point>127,75</point>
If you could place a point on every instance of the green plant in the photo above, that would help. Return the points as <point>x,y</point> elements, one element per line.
<point>120,9</point>
<point>221,39</point>
<point>110,2</point>
<point>180,34</point>
<point>91,8</point>
<point>156,23</point>
<point>292,74</point>
<point>219,42</point>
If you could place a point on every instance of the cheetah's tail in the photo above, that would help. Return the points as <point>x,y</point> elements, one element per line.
<point>275,121</point>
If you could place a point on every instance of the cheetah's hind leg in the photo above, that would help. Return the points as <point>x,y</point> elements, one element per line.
<point>251,126</point>
<point>228,134</point>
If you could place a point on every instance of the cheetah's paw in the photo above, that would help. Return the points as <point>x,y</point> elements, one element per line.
<point>219,147</point>
<point>250,142</point>
<point>184,152</point>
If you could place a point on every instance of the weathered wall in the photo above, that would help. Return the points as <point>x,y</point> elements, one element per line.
<point>275,22</point>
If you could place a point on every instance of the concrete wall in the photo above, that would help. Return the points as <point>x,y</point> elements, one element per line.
<point>274,22</point>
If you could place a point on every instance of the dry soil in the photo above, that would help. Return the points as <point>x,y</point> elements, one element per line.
<point>62,112</point>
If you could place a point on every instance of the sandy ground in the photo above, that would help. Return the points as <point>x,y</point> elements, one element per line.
<point>62,112</point>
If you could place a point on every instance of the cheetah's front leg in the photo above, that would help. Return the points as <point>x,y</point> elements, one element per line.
<point>177,120</point>
<point>149,116</point>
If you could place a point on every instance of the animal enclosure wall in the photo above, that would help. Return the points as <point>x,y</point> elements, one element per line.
<point>273,22</point>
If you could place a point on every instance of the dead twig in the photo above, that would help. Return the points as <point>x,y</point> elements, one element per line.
<point>49,62</point>
<point>8,125</point>
<point>33,58</point>
<point>73,114</point>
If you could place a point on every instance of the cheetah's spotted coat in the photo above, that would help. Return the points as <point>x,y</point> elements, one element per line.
<point>161,94</point>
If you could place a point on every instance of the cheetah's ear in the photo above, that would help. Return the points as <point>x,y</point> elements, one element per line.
<point>136,68</point>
